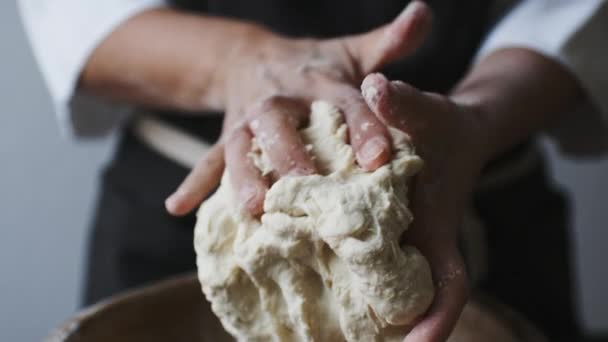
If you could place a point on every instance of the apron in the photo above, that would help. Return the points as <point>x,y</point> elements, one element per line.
<point>135,242</point>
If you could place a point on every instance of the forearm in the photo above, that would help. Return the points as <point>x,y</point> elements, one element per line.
<point>165,58</point>
<point>515,92</point>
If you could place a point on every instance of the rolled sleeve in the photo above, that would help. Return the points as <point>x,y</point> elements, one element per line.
<point>63,33</point>
<point>575,34</point>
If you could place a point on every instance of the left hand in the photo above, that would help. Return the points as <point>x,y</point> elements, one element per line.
<point>266,86</point>
<point>447,136</point>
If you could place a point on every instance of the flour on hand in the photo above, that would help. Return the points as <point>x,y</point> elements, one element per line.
<point>324,262</point>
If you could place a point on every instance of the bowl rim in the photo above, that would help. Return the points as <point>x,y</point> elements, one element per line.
<point>519,325</point>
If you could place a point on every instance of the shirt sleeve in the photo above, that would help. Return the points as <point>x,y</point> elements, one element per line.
<point>63,33</point>
<point>575,34</point>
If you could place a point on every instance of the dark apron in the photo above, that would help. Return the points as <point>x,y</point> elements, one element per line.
<point>135,242</point>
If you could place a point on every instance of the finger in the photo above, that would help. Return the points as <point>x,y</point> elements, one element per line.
<point>274,122</point>
<point>246,180</point>
<point>368,136</point>
<point>450,297</point>
<point>435,235</point>
<point>396,103</point>
<point>203,178</point>
<point>393,41</point>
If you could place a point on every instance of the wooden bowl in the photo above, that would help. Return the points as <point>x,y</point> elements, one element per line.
<point>176,310</point>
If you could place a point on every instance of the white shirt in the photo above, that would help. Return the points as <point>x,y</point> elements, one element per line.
<point>63,33</point>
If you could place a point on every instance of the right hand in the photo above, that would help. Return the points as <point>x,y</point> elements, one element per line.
<point>266,87</point>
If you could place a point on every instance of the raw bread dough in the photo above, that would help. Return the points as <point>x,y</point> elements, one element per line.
<point>324,262</point>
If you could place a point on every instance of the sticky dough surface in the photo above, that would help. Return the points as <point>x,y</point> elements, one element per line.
<point>324,262</point>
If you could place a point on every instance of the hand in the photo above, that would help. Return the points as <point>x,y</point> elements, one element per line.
<point>446,135</point>
<point>267,85</point>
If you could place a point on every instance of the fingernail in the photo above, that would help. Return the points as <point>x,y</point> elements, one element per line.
<point>375,78</point>
<point>372,149</point>
<point>252,199</point>
<point>248,193</point>
<point>370,88</point>
<point>370,94</point>
<point>172,203</point>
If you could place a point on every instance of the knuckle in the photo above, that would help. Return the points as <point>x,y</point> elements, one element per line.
<point>270,103</point>
<point>253,117</point>
<point>276,110</point>
<point>235,134</point>
<point>347,98</point>
<point>267,108</point>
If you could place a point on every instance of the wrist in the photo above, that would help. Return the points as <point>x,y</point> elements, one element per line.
<point>481,144</point>
<point>247,42</point>
<point>215,54</point>
<point>514,93</point>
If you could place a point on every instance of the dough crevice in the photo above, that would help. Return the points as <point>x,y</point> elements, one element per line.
<point>324,262</point>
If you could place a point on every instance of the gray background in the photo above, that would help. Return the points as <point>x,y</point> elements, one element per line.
<point>48,186</point>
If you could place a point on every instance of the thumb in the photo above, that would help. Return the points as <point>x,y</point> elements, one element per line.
<point>199,183</point>
<point>391,42</point>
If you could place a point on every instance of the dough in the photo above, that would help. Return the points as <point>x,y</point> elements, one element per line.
<point>324,262</point>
